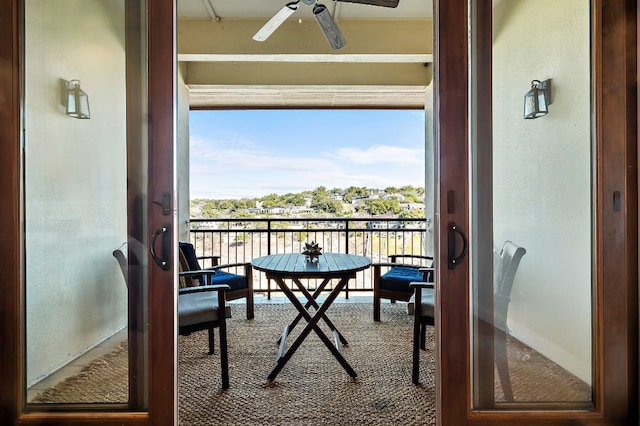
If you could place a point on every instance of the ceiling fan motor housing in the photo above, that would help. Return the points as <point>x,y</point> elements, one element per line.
<point>309,2</point>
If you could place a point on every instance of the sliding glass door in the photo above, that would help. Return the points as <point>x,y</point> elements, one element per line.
<point>530,190</point>
<point>532,217</point>
<point>95,191</point>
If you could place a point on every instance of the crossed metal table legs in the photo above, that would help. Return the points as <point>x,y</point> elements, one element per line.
<point>312,322</point>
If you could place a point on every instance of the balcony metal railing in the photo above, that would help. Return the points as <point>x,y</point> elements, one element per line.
<point>241,240</point>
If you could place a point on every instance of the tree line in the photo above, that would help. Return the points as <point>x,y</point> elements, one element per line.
<point>334,201</point>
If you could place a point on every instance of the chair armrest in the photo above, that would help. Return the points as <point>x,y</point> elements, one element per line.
<point>202,288</point>
<point>197,273</point>
<point>394,257</point>
<point>421,284</point>
<point>395,265</point>
<point>215,260</point>
<point>228,265</point>
<point>417,287</point>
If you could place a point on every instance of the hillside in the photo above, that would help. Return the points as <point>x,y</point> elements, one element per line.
<point>406,201</point>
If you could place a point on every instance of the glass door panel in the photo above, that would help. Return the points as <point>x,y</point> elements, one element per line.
<point>532,210</point>
<point>85,180</point>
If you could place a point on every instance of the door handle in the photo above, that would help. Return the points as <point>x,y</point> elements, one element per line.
<point>163,261</point>
<point>454,259</point>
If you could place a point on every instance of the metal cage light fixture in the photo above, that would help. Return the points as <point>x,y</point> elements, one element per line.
<point>77,101</point>
<point>537,99</point>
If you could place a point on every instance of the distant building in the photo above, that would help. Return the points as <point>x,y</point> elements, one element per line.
<point>412,206</point>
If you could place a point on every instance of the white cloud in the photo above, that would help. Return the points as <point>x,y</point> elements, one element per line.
<point>382,154</point>
<point>218,155</point>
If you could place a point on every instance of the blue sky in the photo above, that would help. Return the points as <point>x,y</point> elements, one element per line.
<point>253,153</point>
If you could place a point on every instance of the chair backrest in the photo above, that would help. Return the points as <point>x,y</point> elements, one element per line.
<point>130,254</point>
<point>121,256</point>
<point>189,262</point>
<point>505,268</point>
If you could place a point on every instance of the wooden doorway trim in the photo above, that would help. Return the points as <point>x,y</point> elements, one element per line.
<point>10,222</point>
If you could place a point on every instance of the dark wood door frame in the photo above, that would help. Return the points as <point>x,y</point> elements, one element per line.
<point>162,395</point>
<point>10,221</point>
<point>615,333</point>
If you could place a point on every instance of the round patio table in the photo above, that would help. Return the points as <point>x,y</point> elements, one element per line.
<point>295,267</point>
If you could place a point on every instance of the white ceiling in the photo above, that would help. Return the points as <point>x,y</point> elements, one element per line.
<point>335,96</point>
<point>253,9</point>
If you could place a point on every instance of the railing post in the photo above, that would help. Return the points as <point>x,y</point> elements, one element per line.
<point>346,249</point>
<point>268,253</point>
<point>346,235</point>
<point>268,237</point>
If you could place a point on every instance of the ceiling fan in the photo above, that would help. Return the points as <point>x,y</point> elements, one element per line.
<point>321,14</point>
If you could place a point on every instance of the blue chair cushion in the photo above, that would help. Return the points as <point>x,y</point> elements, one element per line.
<point>399,278</point>
<point>234,281</point>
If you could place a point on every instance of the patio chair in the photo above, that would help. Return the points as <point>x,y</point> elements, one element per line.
<point>199,309</point>
<point>505,266</point>
<point>395,283</point>
<point>241,286</point>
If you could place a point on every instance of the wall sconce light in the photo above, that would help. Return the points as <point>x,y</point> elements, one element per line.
<point>538,99</point>
<point>77,101</point>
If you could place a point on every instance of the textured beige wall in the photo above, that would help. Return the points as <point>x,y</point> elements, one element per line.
<point>542,174</point>
<point>75,171</point>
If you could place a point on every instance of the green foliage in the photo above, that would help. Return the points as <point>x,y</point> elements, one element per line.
<point>412,198</point>
<point>209,209</point>
<point>225,205</point>
<point>354,192</point>
<point>407,189</point>
<point>318,195</point>
<point>321,202</point>
<point>243,214</point>
<point>329,205</point>
<point>271,200</point>
<point>380,206</point>
<point>293,200</point>
<point>412,214</point>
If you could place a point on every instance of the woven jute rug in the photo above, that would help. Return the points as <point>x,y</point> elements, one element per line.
<point>313,388</point>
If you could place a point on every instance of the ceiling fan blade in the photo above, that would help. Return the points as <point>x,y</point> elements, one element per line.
<point>274,23</point>
<point>382,3</point>
<point>329,27</point>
